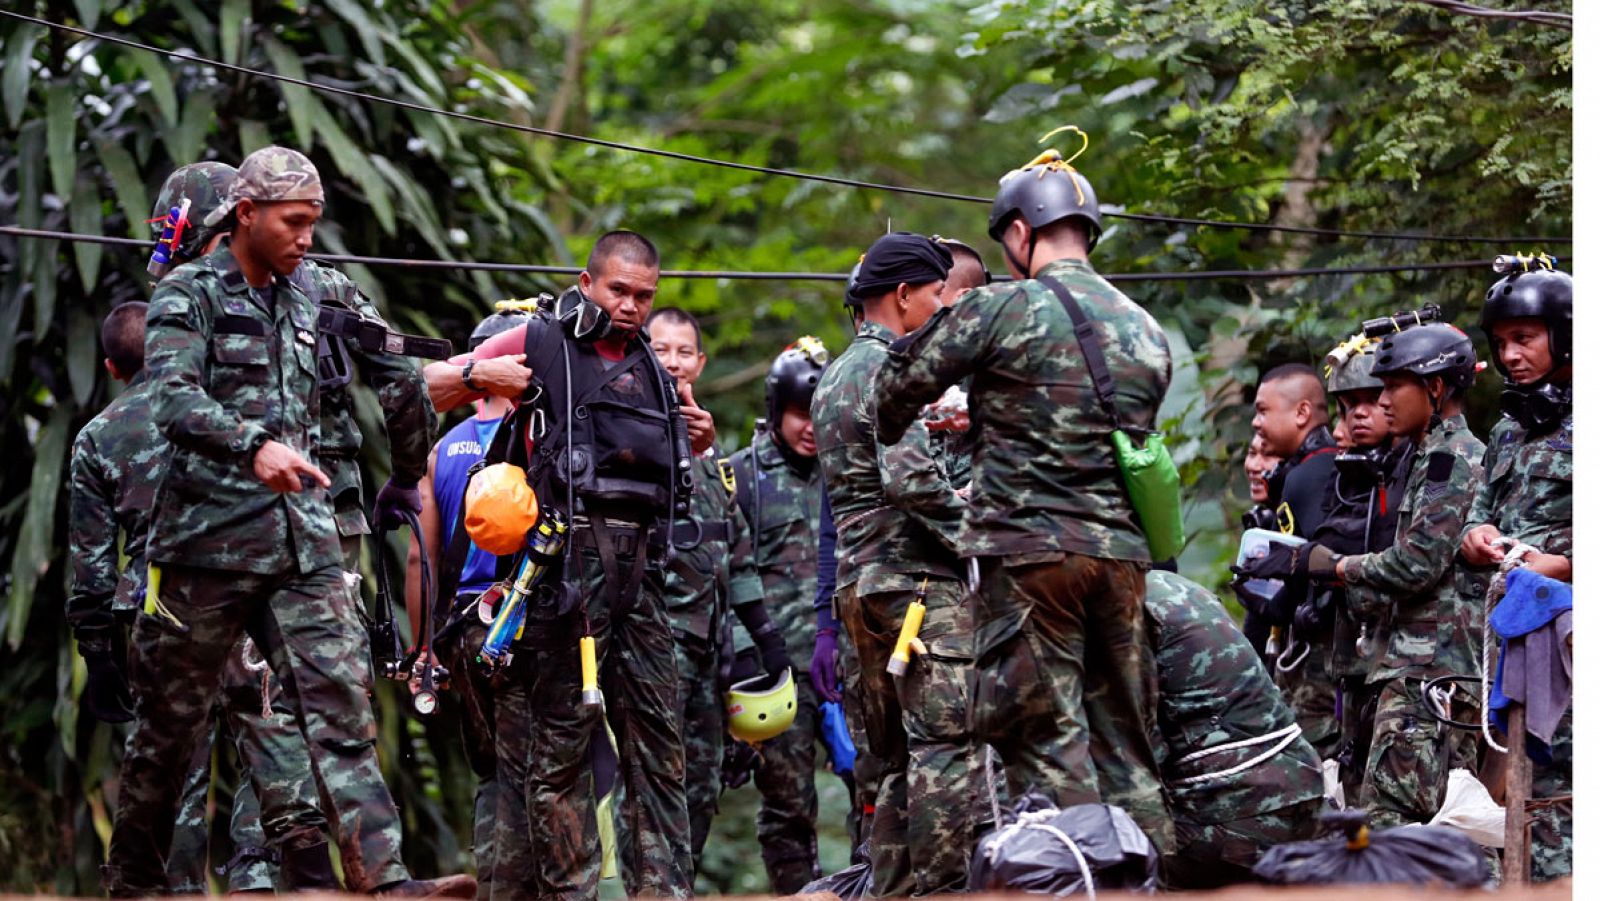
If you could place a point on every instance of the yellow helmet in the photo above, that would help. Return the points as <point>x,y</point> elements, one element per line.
<point>761,707</point>
<point>501,508</point>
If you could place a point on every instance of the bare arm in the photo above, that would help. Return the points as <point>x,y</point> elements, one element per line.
<point>429,519</point>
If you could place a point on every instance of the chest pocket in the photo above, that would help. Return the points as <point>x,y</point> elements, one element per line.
<point>241,353</point>
<point>782,536</point>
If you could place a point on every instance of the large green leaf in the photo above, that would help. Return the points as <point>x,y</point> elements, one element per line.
<point>87,219</point>
<point>45,287</point>
<point>418,205</point>
<point>156,71</point>
<point>61,132</point>
<point>36,543</point>
<point>301,104</point>
<point>200,26</point>
<point>185,141</point>
<point>19,70</point>
<point>253,136</point>
<point>88,11</point>
<point>131,192</point>
<point>83,342</point>
<point>366,29</point>
<point>234,24</point>
<point>353,163</point>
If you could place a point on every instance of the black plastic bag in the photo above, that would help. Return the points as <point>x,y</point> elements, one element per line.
<point>1411,855</point>
<point>1030,853</point>
<point>850,884</point>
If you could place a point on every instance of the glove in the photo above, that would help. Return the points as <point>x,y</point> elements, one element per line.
<point>106,694</point>
<point>774,654</point>
<point>1311,617</point>
<point>824,665</point>
<point>394,498</point>
<point>747,665</point>
<point>1279,562</point>
<point>739,762</point>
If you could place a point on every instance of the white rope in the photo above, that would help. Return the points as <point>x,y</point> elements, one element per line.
<point>1497,590</point>
<point>988,777</point>
<point>1285,736</point>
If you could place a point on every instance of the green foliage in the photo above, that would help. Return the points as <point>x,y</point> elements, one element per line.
<point>1370,114</point>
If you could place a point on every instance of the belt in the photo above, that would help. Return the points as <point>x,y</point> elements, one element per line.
<point>625,535</point>
<point>688,534</point>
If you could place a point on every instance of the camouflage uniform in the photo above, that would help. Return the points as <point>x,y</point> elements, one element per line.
<point>1527,494</point>
<point>1050,522</point>
<point>232,367</point>
<point>703,583</point>
<point>786,557</point>
<point>1215,691</point>
<point>1429,615</point>
<point>117,462</point>
<point>897,518</point>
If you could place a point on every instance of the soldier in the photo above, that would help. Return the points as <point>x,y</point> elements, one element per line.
<point>1428,613</point>
<point>599,438</point>
<point>1065,672</point>
<point>1292,420</point>
<point>449,465</point>
<point>1228,803</point>
<point>242,540</point>
<point>779,489</point>
<point>897,518</point>
<point>1527,489</point>
<point>712,575</point>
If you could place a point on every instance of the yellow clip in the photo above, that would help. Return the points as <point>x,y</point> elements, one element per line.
<point>725,469</point>
<point>152,596</point>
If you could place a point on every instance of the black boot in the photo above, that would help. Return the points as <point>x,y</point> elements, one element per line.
<point>309,869</point>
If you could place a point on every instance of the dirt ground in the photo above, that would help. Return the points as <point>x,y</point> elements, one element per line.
<point>1555,891</point>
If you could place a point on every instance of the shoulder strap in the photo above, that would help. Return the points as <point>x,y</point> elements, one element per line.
<point>1105,387</point>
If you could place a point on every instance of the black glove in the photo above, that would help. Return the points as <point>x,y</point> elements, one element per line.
<point>746,665</point>
<point>774,654</point>
<point>106,694</point>
<point>1312,616</point>
<point>1279,562</point>
<point>739,762</point>
<point>395,496</point>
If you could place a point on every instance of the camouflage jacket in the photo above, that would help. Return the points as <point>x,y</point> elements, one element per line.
<point>1428,608</point>
<point>1044,475</point>
<point>408,416</point>
<point>117,460</point>
<point>1214,690</point>
<point>896,514</point>
<point>785,537</point>
<point>706,581</point>
<point>232,367</point>
<point>1527,486</point>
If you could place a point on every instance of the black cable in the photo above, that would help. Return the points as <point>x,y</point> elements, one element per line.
<point>471,266</point>
<point>763,170</point>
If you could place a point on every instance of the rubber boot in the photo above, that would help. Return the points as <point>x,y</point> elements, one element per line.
<point>309,869</point>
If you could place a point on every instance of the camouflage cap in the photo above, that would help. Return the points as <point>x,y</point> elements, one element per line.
<point>204,185</point>
<point>271,173</point>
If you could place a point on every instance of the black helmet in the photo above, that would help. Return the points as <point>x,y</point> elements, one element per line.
<point>494,324</point>
<point>1428,350</point>
<point>794,376</point>
<point>1046,190</point>
<point>1538,294</point>
<point>850,303</point>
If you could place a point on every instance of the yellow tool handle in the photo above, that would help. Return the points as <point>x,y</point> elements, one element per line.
<point>591,677</point>
<point>900,660</point>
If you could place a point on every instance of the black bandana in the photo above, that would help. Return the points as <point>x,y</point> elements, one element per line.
<point>900,258</point>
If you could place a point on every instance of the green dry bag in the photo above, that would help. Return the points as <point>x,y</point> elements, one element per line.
<point>1152,480</point>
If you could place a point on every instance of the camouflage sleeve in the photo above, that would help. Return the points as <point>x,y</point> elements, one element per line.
<point>744,583</point>
<point>915,484</point>
<point>921,365</point>
<point>92,541</point>
<point>1482,511</point>
<point>1423,552</point>
<point>408,416</point>
<point>177,335</point>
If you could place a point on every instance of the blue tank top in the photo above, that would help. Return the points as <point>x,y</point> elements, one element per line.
<point>460,448</point>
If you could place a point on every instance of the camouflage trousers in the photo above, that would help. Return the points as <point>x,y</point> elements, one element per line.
<point>868,773</point>
<point>1213,855</point>
<point>1551,824</point>
<point>546,744</point>
<point>474,695</point>
<point>309,628</point>
<point>703,721</point>
<point>1309,690</point>
<point>786,777</point>
<point>927,803</point>
<point>1066,683</point>
<point>1408,767</point>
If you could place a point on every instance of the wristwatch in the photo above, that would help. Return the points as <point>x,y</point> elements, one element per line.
<point>466,376</point>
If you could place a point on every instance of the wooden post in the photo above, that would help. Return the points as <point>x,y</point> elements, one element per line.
<point>1519,783</point>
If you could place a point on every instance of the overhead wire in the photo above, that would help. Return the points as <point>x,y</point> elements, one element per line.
<point>749,167</point>
<point>736,275</point>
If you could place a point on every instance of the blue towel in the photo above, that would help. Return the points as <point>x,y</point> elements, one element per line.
<point>1533,620</point>
<point>1531,601</point>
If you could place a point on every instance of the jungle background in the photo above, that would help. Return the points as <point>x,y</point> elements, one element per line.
<point>1362,114</point>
